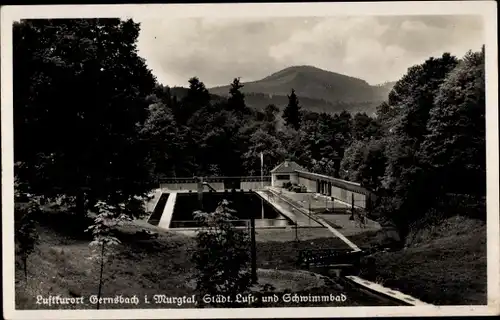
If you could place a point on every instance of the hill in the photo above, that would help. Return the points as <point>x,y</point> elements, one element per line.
<point>318,90</point>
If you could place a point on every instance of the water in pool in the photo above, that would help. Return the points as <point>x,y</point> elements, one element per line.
<point>246,204</point>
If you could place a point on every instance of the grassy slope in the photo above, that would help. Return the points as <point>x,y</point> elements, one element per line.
<point>61,265</point>
<point>445,266</point>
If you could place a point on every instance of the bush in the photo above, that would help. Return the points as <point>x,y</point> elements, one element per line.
<point>222,254</point>
<point>26,233</point>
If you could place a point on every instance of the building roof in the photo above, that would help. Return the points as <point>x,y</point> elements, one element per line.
<point>287,167</point>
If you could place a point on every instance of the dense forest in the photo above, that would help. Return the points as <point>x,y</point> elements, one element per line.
<point>92,123</point>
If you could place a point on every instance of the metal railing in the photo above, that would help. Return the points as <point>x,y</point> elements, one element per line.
<point>328,257</point>
<point>216,179</point>
<point>343,184</point>
<point>242,223</point>
<point>188,224</point>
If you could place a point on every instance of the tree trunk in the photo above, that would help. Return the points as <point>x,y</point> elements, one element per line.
<point>100,276</point>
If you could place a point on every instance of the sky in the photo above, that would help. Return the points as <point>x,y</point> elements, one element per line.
<point>373,48</point>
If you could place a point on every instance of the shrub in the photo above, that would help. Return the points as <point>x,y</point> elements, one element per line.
<point>222,254</point>
<point>26,234</point>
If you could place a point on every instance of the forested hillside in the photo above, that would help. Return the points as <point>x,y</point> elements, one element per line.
<point>320,91</point>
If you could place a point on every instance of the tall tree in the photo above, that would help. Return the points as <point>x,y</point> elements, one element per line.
<point>405,180</point>
<point>271,111</point>
<point>455,147</point>
<point>267,144</point>
<point>364,127</point>
<point>80,94</point>
<point>364,162</point>
<point>292,114</point>
<point>167,142</point>
<point>236,100</point>
<point>197,98</point>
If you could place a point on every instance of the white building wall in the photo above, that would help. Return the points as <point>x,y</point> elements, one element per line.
<point>166,187</point>
<point>346,196</point>
<point>275,182</point>
<point>254,185</point>
<point>215,185</point>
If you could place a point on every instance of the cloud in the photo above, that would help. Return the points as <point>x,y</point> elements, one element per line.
<point>375,49</point>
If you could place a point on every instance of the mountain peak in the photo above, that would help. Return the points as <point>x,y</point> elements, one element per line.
<point>300,69</point>
<point>310,84</point>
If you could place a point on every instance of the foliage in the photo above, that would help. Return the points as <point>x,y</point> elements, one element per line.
<point>236,101</point>
<point>222,254</point>
<point>365,162</point>
<point>292,114</point>
<point>364,127</point>
<point>455,146</point>
<point>166,139</point>
<point>324,166</point>
<point>26,233</point>
<point>432,145</point>
<point>80,94</point>
<point>107,219</point>
<point>197,98</point>
<point>271,148</point>
<point>105,223</point>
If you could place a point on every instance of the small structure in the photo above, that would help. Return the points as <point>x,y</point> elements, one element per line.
<point>348,192</point>
<point>285,172</point>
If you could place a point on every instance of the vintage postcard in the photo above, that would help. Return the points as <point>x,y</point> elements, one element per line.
<point>250,160</point>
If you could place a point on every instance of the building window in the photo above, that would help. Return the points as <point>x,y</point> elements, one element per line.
<point>283,177</point>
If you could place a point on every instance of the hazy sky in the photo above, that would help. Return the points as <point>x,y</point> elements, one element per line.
<point>376,49</point>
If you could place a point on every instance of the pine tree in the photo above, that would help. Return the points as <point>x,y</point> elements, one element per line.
<point>196,99</point>
<point>236,101</point>
<point>292,114</point>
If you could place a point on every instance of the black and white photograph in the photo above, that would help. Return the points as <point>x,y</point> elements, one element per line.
<point>250,160</point>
